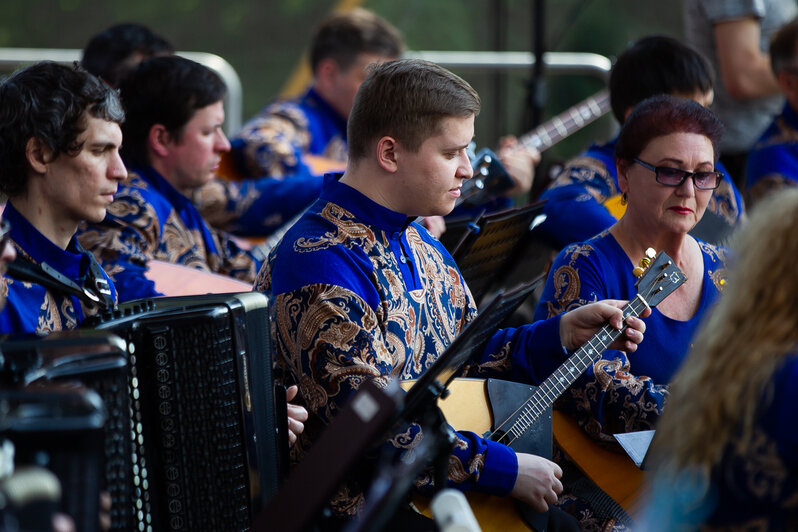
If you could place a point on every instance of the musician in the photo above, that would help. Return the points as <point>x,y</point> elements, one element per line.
<point>576,201</point>
<point>665,156</point>
<point>251,207</point>
<point>173,142</point>
<point>362,291</point>
<point>724,456</point>
<point>117,50</point>
<point>59,149</point>
<point>275,141</point>
<point>773,161</point>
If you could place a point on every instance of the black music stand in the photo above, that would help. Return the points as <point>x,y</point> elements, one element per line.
<point>420,406</point>
<point>309,487</point>
<point>456,228</point>
<point>489,246</point>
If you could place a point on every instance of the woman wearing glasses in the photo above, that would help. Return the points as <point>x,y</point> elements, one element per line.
<point>665,155</point>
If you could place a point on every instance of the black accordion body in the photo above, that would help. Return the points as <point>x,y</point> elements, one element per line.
<point>207,428</point>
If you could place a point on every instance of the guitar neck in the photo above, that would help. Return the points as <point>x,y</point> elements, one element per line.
<point>567,123</point>
<point>568,372</point>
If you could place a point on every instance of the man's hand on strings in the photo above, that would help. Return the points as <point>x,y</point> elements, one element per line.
<point>579,325</point>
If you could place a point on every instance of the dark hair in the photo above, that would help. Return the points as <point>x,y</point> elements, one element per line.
<point>662,115</point>
<point>406,99</point>
<point>784,47</point>
<point>345,35</point>
<point>114,52</point>
<point>657,65</point>
<point>165,90</point>
<point>50,102</point>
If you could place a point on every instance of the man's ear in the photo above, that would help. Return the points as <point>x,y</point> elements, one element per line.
<point>158,140</point>
<point>325,73</point>
<point>387,154</point>
<point>38,154</point>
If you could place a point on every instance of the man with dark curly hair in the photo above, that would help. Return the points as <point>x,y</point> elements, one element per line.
<point>59,165</point>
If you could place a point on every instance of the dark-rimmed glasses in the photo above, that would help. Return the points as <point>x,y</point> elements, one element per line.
<point>674,177</point>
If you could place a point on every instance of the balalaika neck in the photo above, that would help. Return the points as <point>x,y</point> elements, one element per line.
<point>564,124</point>
<point>559,381</point>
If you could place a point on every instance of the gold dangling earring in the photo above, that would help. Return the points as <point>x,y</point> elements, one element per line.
<point>623,199</point>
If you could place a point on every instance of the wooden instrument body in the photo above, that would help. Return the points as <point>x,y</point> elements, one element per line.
<point>178,280</point>
<point>468,407</point>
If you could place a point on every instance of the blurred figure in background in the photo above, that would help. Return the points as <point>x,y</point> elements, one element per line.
<point>726,451</point>
<point>734,35</point>
<point>773,161</point>
<point>276,140</point>
<point>114,52</point>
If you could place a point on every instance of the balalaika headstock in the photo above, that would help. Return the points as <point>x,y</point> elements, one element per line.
<point>658,277</point>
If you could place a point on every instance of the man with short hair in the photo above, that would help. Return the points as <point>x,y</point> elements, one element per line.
<point>59,165</point>
<point>173,145</point>
<point>275,141</point>
<point>252,207</point>
<point>362,291</point>
<point>117,50</point>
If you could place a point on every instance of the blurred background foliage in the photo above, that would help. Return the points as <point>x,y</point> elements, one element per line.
<point>265,40</point>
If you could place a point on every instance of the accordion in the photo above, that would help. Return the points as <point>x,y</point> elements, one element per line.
<point>48,386</point>
<point>195,431</point>
<point>207,425</point>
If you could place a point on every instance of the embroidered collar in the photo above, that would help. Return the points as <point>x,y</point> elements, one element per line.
<point>361,206</point>
<point>71,262</point>
<point>179,202</point>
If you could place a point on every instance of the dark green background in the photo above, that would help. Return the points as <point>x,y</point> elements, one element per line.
<point>265,40</point>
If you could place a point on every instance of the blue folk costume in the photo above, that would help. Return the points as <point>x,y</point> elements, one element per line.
<point>773,161</point>
<point>621,393</point>
<point>255,207</point>
<point>33,308</point>
<point>575,209</point>
<point>151,220</point>
<point>755,484</point>
<point>274,141</point>
<point>363,292</point>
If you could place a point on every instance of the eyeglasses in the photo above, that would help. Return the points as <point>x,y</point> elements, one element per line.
<point>673,177</point>
<point>5,229</point>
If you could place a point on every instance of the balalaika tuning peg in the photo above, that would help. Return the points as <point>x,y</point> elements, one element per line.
<point>645,262</point>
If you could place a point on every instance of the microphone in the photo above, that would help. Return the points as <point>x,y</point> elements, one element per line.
<point>452,512</point>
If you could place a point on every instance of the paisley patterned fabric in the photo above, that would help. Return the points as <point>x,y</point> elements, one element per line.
<point>362,292</point>
<point>773,161</point>
<point>151,220</point>
<point>621,393</point>
<point>755,485</point>
<point>575,209</point>
<point>255,207</point>
<point>32,307</point>
<point>273,142</point>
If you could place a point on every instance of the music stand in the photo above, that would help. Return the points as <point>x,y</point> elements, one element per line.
<point>488,247</point>
<point>420,405</point>
<point>313,481</point>
<point>456,228</point>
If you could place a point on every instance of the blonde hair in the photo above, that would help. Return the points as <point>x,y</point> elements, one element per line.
<point>752,329</point>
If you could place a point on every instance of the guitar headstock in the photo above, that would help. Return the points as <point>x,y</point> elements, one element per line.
<point>490,179</point>
<point>658,277</point>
